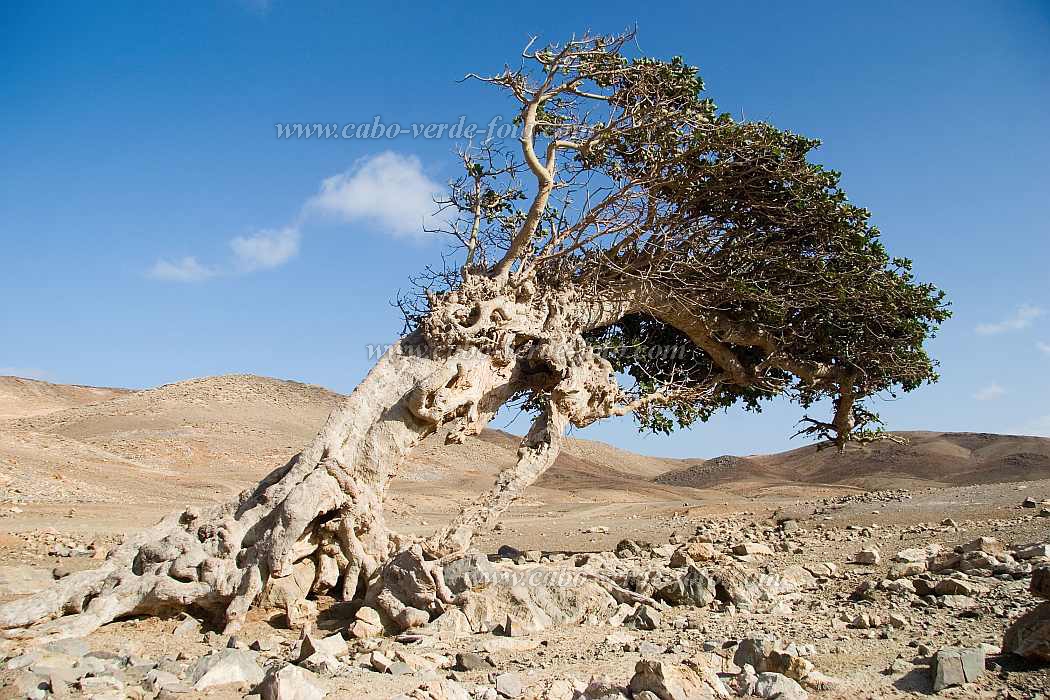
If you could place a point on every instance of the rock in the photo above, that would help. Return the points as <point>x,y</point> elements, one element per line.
<point>692,552</point>
<point>188,626</point>
<point>363,630</point>
<point>752,549</point>
<point>957,602</point>
<point>301,613</point>
<point>955,586</point>
<point>23,580</point>
<point>554,689</point>
<point>509,685</point>
<point>779,687</point>
<point>69,647</point>
<point>226,666</point>
<point>694,587</point>
<point>291,683</point>
<point>630,549</point>
<point>469,661</point>
<point>1040,586</point>
<point>799,576</point>
<point>766,656</point>
<point>30,685</point>
<point>868,555</point>
<point>825,569</point>
<point>296,586</point>
<point>451,624</point>
<point>94,686</point>
<point>157,680</point>
<point>379,661</point>
<point>906,569</point>
<point>1032,551</point>
<point>956,666</point>
<point>369,616</point>
<point>507,552</point>
<point>988,545</point>
<point>471,571</point>
<point>603,688</point>
<point>646,618</point>
<point>1029,502</point>
<point>444,689</point>
<point>669,681</point>
<point>1029,636</point>
<point>333,645</point>
<point>539,596</point>
<point>917,554</point>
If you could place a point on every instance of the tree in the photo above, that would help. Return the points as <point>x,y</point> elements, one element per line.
<point>636,251</point>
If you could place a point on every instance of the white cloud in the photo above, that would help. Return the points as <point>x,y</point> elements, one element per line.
<point>266,249</point>
<point>1021,319</point>
<point>388,189</point>
<point>183,270</point>
<point>990,393</point>
<point>1043,347</point>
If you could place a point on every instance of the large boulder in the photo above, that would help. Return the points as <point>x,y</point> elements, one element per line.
<point>693,587</point>
<point>471,571</point>
<point>777,686</point>
<point>534,598</point>
<point>956,666</point>
<point>226,666</point>
<point>669,681</point>
<point>1029,636</point>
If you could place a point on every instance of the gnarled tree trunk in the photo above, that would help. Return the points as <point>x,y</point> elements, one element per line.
<point>469,357</point>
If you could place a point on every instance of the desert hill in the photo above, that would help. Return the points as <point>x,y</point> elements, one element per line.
<point>928,459</point>
<point>205,439</point>
<point>30,397</point>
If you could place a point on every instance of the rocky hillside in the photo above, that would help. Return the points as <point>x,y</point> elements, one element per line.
<point>929,459</point>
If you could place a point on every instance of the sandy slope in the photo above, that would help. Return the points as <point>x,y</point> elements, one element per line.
<point>127,456</point>
<point>28,397</point>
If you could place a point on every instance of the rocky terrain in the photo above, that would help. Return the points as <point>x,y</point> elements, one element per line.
<point>889,571</point>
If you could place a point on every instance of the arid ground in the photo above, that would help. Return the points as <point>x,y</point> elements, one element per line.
<point>82,466</point>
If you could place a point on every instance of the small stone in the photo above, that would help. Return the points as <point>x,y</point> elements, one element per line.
<point>333,645</point>
<point>379,661</point>
<point>752,549</point>
<point>868,555</point>
<point>291,683</point>
<point>300,613</point>
<point>647,618</point>
<point>370,616</point>
<point>469,661</point>
<point>509,685</point>
<point>188,626</point>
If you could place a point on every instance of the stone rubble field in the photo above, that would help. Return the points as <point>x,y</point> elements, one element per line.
<point>794,604</point>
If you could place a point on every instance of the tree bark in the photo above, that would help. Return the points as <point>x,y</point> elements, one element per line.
<point>326,503</point>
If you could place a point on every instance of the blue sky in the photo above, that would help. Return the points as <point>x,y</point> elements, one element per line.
<point>154,228</point>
